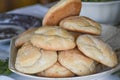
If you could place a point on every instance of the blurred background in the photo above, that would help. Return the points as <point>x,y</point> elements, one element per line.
<point>7,5</point>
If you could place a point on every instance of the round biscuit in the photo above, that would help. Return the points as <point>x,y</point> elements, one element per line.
<point>61,10</point>
<point>81,24</point>
<point>76,62</point>
<point>32,60</point>
<point>53,38</point>
<point>97,49</point>
<point>56,71</point>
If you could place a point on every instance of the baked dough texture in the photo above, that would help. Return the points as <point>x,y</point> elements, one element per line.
<point>81,24</point>
<point>24,37</point>
<point>61,10</point>
<point>76,62</point>
<point>32,60</point>
<point>97,49</point>
<point>53,38</point>
<point>56,71</point>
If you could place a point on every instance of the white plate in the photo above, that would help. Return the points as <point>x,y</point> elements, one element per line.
<point>97,76</point>
<point>89,77</point>
<point>17,30</point>
<point>19,22</point>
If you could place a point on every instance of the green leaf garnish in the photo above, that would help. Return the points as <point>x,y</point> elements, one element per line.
<point>4,70</point>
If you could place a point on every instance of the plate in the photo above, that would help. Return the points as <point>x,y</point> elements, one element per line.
<point>13,51</point>
<point>108,31</point>
<point>16,23</point>
<point>33,77</point>
<point>9,31</point>
<point>24,21</point>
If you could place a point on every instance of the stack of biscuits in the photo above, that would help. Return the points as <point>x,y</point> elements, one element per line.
<point>66,45</point>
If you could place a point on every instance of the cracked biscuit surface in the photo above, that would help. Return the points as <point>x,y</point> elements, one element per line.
<point>24,37</point>
<point>76,62</point>
<point>56,71</point>
<point>53,38</point>
<point>81,24</point>
<point>31,60</point>
<point>97,49</point>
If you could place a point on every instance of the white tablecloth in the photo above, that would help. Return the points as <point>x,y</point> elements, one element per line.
<point>34,10</point>
<point>39,11</point>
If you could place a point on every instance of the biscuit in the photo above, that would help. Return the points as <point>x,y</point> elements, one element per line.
<point>24,37</point>
<point>56,71</point>
<point>61,10</point>
<point>81,24</point>
<point>76,62</point>
<point>53,38</point>
<point>32,60</point>
<point>97,49</point>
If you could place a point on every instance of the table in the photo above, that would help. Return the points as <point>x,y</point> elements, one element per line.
<point>39,11</point>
